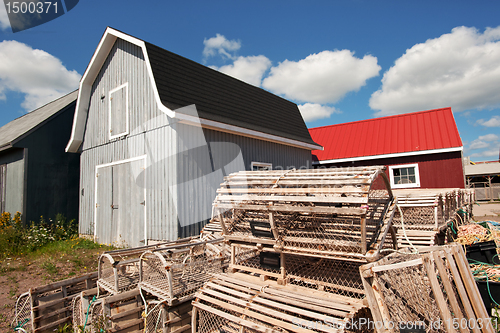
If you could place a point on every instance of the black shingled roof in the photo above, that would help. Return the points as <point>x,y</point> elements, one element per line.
<point>222,98</point>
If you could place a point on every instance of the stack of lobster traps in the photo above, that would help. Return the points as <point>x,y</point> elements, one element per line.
<point>150,288</point>
<point>423,216</point>
<point>298,238</point>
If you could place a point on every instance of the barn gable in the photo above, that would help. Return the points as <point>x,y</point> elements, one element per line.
<point>165,130</point>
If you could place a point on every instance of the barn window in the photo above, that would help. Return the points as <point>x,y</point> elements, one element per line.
<point>404,176</point>
<point>118,111</point>
<point>259,166</point>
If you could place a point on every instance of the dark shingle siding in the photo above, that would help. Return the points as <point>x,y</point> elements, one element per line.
<point>222,98</point>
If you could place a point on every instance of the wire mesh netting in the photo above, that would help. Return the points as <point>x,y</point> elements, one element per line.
<point>253,259</point>
<point>78,318</point>
<point>118,273</point>
<point>339,277</point>
<point>433,289</point>
<point>335,212</point>
<point>154,321</point>
<point>177,273</point>
<point>22,315</point>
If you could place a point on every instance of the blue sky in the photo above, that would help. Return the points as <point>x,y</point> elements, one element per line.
<point>340,61</point>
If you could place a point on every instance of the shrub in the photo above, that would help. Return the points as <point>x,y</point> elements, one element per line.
<point>16,238</point>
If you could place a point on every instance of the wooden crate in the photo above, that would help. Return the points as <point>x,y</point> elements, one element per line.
<point>434,287</point>
<point>175,273</point>
<point>338,213</point>
<point>241,303</point>
<point>44,308</point>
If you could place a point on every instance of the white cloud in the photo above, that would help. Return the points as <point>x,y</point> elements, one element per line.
<point>488,137</point>
<point>489,144</point>
<point>487,153</point>
<point>249,69</point>
<point>220,45</point>
<point>323,77</point>
<point>312,111</point>
<point>35,73</point>
<point>478,144</point>
<point>4,19</point>
<point>459,69</point>
<point>493,122</point>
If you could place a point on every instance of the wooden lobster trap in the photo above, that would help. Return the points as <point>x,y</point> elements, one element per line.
<point>162,318</point>
<point>119,269</point>
<point>175,273</point>
<point>242,303</point>
<point>44,308</point>
<point>423,215</point>
<point>419,217</point>
<point>117,313</point>
<point>339,277</point>
<point>433,289</point>
<point>334,213</point>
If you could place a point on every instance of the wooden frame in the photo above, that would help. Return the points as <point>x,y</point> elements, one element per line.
<point>444,273</point>
<point>118,270</point>
<point>428,213</point>
<point>174,273</point>
<point>239,302</point>
<point>46,307</point>
<point>333,213</point>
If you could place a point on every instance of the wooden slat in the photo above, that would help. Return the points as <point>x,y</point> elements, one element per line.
<point>52,325</point>
<point>232,318</point>
<point>289,198</point>
<point>248,308</point>
<point>452,300</point>
<point>450,263</point>
<point>438,295</point>
<point>295,209</point>
<point>308,190</point>
<point>59,284</point>
<point>471,288</point>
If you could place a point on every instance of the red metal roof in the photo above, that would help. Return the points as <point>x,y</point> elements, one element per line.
<point>404,133</point>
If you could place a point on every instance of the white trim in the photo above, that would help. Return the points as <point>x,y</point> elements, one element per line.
<point>98,59</point>
<point>221,127</point>
<point>97,167</point>
<point>412,185</point>
<point>374,157</point>
<point>261,164</point>
<point>114,136</point>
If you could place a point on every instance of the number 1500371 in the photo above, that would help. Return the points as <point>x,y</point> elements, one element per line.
<point>32,7</point>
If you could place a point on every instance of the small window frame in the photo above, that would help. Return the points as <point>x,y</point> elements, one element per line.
<point>261,166</point>
<point>111,92</point>
<point>401,166</point>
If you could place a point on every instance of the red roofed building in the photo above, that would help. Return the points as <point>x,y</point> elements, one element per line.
<point>420,149</point>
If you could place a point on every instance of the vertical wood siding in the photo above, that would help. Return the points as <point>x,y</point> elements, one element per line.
<point>150,134</point>
<point>205,174</point>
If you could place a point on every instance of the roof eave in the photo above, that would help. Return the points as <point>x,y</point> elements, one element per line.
<point>222,127</point>
<point>375,157</point>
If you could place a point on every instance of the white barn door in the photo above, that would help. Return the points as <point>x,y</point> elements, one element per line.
<point>120,203</point>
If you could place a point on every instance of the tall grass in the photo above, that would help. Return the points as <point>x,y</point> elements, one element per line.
<point>17,239</point>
